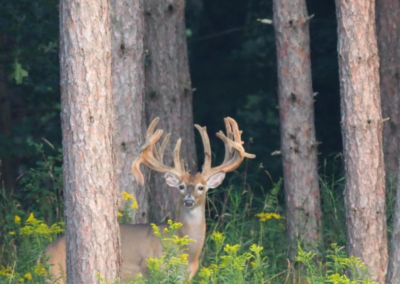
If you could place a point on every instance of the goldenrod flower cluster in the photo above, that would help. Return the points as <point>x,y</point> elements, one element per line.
<point>231,264</point>
<point>34,226</point>
<point>32,235</point>
<point>127,214</point>
<point>266,216</point>
<point>128,196</point>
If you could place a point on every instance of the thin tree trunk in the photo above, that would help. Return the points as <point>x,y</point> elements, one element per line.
<point>92,230</point>
<point>296,106</point>
<point>128,87</point>
<point>388,33</point>
<point>168,92</point>
<point>362,135</point>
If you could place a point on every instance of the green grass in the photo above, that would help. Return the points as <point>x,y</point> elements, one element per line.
<point>245,243</point>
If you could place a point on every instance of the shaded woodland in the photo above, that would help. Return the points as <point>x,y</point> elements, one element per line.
<point>312,84</point>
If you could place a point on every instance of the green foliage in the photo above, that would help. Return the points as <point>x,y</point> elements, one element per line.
<point>18,73</point>
<point>230,266</point>
<point>40,193</point>
<point>337,268</point>
<point>127,214</point>
<point>171,267</point>
<point>41,187</point>
<point>30,237</point>
<point>246,242</point>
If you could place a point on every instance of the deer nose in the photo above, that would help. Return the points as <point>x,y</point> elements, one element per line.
<point>188,202</point>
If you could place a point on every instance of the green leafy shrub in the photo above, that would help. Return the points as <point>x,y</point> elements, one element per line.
<point>31,237</point>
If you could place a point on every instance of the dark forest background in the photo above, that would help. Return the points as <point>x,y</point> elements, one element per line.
<point>233,69</point>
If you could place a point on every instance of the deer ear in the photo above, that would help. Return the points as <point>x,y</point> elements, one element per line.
<point>215,180</point>
<point>172,180</point>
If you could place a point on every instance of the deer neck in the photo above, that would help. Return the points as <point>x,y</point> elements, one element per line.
<point>194,226</point>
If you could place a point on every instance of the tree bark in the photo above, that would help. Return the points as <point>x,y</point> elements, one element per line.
<point>92,230</point>
<point>362,135</point>
<point>128,87</point>
<point>298,142</point>
<point>168,92</point>
<point>393,274</point>
<point>388,32</point>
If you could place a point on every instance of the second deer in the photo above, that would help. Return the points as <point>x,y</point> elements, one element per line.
<point>138,242</point>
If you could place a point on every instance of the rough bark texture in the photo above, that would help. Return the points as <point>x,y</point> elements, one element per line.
<point>92,230</point>
<point>128,86</point>
<point>296,105</point>
<point>393,275</point>
<point>362,134</point>
<point>388,33</point>
<point>168,93</point>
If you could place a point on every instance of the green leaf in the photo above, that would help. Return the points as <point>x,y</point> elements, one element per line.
<point>18,73</point>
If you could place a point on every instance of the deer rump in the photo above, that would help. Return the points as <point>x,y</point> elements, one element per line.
<point>134,253</point>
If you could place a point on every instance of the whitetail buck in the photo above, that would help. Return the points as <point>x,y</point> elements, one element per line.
<point>138,242</point>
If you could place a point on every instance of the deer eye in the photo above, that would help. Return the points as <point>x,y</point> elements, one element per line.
<point>181,187</point>
<point>200,188</point>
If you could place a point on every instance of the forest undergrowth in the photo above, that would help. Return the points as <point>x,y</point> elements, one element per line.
<point>246,235</point>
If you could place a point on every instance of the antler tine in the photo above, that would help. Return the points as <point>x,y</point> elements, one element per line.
<point>207,147</point>
<point>152,156</point>
<point>177,159</point>
<point>152,126</point>
<point>229,132</point>
<point>161,149</point>
<point>235,152</point>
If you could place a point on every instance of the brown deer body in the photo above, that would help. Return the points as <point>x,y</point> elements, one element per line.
<point>138,242</point>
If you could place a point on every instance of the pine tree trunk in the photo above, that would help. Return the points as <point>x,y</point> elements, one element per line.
<point>128,86</point>
<point>168,93</point>
<point>362,134</point>
<point>393,274</point>
<point>92,230</point>
<point>296,106</point>
<point>388,33</point>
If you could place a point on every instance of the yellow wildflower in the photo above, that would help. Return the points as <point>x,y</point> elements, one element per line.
<point>120,214</point>
<point>26,230</point>
<point>174,226</point>
<point>266,216</point>
<point>256,249</point>
<point>205,273</point>
<point>28,276</point>
<point>218,237</point>
<point>43,229</point>
<point>17,219</point>
<point>155,264</point>
<point>6,271</point>
<point>127,196</point>
<point>184,241</point>
<point>31,218</point>
<point>40,270</point>
<point>184,257</point>
<point>232,250</point>
<point>156,230</point>
<point>134,203</point>
<point>11,233</point>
